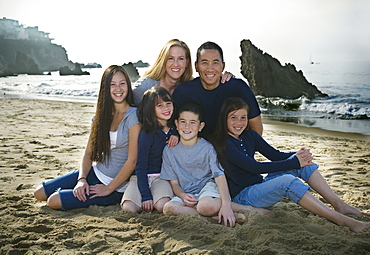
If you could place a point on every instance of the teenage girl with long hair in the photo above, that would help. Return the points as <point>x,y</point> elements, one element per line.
<point>110,155</point>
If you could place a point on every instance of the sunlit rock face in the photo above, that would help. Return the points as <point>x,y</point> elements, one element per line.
<point>267,77</point>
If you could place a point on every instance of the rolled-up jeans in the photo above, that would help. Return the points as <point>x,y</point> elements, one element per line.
<point>65,184</point>
<point>275,187</point>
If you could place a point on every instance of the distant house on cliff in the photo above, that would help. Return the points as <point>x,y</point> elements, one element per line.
<point>11,29</point>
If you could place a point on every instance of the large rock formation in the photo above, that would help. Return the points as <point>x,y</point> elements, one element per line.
<point>47,56</point>
<point>267,77</point>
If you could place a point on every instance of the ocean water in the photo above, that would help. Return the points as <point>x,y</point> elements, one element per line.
<point>346,109</point>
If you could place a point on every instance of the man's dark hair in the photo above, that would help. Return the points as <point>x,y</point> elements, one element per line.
<point>210,46</point>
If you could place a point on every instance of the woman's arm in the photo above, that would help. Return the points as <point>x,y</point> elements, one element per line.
<point>256,124</point>
<point>226,76</point>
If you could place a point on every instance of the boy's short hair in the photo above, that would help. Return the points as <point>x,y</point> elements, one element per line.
<point>194,107</point>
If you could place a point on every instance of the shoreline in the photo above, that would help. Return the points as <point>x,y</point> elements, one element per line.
<point>43,139</point>
<point>286,126</point>
<point>265,120</point>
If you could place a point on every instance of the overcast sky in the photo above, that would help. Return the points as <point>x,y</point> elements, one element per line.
<point>116,32</point>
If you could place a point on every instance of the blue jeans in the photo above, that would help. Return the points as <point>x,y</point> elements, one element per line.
<point>64,186</point>
<point>275,187</point>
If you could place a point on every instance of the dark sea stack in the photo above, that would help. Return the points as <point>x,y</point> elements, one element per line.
<point>65,70</point>
<point>267,77</point>
<point>132,71</point>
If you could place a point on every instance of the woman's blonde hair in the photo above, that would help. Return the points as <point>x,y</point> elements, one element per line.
<point>158,69</point>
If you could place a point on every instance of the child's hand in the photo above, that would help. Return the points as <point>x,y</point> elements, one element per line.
<point>99,190</point>
<point>227,214</point>
<point>147,205</point>
<point>173,141</point>
<point>189,200</point>
<point>305,157</point>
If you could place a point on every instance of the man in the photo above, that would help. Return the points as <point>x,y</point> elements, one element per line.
<point>208,90</point>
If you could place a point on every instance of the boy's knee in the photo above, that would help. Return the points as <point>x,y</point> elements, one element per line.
<point>54,201</point>
<point>208,208</point>
<point>169,208</point>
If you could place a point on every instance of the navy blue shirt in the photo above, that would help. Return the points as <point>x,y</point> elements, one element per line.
<point>243,170</point>
<point>212,100</point>
<point>149,160</point>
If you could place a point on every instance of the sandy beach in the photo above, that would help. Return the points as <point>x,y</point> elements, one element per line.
<point>41,140</point>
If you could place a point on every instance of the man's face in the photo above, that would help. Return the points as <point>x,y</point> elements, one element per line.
<point>210,68</point>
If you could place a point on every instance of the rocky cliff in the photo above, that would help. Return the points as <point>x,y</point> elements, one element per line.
<point>18,55</point>
<point>267,77</point>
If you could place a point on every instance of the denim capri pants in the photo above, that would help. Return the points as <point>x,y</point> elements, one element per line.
<point>65,184</point>
<point>275,187</point>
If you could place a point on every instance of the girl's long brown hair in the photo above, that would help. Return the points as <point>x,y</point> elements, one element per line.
<point>100,139</point>
<point>220,135</point>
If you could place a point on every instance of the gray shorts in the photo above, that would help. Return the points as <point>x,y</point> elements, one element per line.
<point>159,188</point>
<point>209,190</point>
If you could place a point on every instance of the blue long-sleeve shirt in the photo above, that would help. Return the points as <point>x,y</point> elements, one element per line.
<point>243,170</point>
<point>212,100</point>
<point>149,159</point>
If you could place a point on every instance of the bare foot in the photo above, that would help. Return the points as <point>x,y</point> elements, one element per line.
<point>347,209</point>
<point>240,218</point>
<point>360,227</point>
<point>261,211</point>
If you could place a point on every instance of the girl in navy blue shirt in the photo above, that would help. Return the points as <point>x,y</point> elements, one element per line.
<point>236,145</point>
<point>146,191</point>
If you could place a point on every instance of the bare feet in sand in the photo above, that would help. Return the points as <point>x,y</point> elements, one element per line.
<point>261,211</point>
<point>359,227</point>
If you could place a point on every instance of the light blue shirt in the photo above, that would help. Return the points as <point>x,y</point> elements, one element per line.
<point>193,166</point>
<point>119,154</point>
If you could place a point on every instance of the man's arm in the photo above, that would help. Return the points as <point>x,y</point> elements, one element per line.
<point>256,124</point>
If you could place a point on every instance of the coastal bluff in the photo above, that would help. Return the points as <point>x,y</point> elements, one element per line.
<point>268,78</point>
<point>43,56</point>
